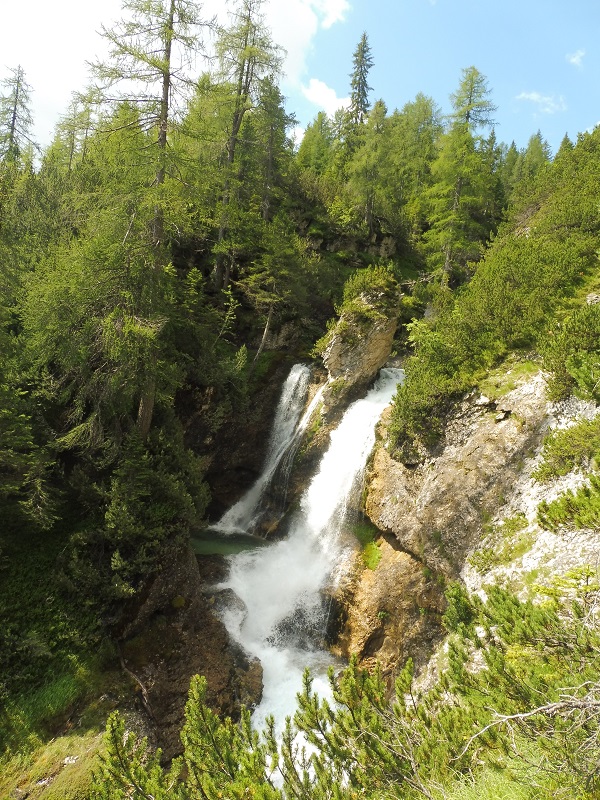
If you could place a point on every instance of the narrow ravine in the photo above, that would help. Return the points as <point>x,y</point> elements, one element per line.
<point>280,614</point>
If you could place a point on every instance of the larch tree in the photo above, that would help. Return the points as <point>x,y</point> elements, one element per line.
<point>364,169</point>
<point>246,54</point>
<point>150,55</point>
<point>315,150</point>
<point>15,115</point>
<point>413,135</point>
<point>566,146</point>
<point>536,155</point>
<point>463,181</point>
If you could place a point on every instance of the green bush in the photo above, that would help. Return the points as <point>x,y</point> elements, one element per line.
<point>570,448</point>
<point>580,509</point>
<point>571,352</point>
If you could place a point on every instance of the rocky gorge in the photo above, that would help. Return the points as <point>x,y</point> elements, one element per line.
<point>431,519</point>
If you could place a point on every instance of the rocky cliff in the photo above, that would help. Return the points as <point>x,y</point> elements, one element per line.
<point>436,516</point>
<point>174,634</point>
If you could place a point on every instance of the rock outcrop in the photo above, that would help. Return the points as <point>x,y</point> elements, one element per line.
<point>174,635</point>
<point>431,518</point>
<point>358,346</point>
<point>437,510</point>
<point>391,613</point>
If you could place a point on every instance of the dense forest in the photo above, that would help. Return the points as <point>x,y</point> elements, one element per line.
<point>146,258</point>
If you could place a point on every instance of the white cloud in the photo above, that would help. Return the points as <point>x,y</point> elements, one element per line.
<point>545,104</point>
<point>297,134</point>
<point>294,25</point>
<point>331,11</point>
<point>324,96</point>
<point>576,58</point>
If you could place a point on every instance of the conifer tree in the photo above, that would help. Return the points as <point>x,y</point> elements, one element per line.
<point>413,134</point>
<point>463,181</point>
<point>365,167</point>
<point>315,150</point>
<point>246,54</point>
<point>566,146</point>
<point>15,115</point>
<point>362,61</point>
<point>143,53</point>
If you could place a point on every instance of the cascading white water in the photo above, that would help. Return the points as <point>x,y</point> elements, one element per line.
<point>242,516</point>
<point>281,615</point>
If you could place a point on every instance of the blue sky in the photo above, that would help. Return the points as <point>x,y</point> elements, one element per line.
<point>541,57</point>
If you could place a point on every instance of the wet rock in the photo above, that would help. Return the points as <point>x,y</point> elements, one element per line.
<point>432,515</point>
<point>392,612</point>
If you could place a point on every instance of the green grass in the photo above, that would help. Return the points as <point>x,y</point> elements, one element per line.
<point>490,784</point>
<point>499,382</point>
<point>60,769</point>
<point>53,734</point>
<point>367,533</point>
<point>52,655</point>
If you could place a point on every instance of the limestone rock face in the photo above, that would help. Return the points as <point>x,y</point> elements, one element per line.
<point>392,612</point>
<point>432,516</point>
<point>436,511</point>
<point>359,346</point>
<point>175,635</point>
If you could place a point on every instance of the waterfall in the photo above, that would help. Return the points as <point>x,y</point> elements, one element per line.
<point>245,515</point>
<point>282,615</point>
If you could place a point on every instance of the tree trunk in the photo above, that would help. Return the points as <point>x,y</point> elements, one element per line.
<point>264,336</point>
<point>146,407</point>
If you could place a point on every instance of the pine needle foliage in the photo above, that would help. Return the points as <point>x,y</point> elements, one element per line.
<point>528,711</point>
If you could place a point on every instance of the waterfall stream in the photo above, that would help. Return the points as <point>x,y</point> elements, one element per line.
<point>287,427</point>
<point>280,615</point>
